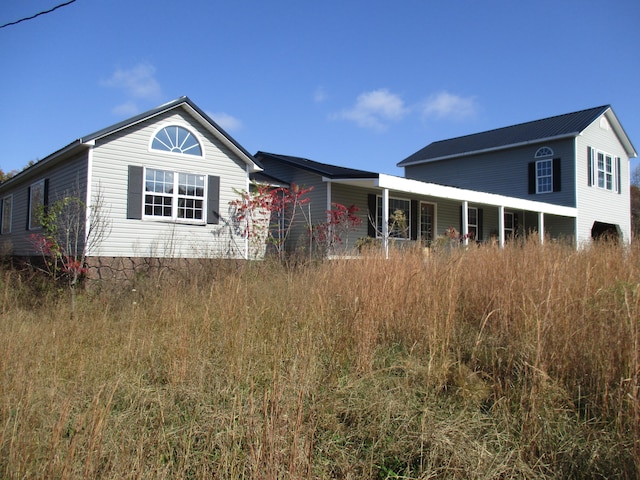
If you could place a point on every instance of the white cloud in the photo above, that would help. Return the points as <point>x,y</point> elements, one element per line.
<point>127,109</point>
<point>137,82</point>
<point>375,109</point>
<point>226,121</point>
<point>448,105</point>
<point>320,95</point>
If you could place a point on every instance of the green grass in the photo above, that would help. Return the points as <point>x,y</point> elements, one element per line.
<point>477,364</point>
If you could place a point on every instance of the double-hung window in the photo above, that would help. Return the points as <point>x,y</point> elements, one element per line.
<point>36,203</point>
<point>399,215</point>
<point>605,171</point>
<point>544,176</point>
<point>174,195</point>
<point>7,207</point>
<point>472,223</point>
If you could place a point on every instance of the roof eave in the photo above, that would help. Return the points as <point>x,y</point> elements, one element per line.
<point>488,150</point>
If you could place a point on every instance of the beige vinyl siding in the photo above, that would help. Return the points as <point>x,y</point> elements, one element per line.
<point>151,238</point>
<point>596,204</point>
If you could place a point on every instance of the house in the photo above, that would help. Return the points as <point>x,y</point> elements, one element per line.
<point>163,181</point>
<point>428,210</point>
<point>578,160</point>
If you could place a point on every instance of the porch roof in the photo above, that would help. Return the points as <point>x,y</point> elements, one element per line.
<point>416,187</point>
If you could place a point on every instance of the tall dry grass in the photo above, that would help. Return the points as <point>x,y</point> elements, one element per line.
<point>484,363</point>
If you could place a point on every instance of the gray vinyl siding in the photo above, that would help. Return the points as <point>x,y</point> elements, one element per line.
<point>502,172</point>
<point>152,238</point>
<point>596,204</point>
<point>65,178</point>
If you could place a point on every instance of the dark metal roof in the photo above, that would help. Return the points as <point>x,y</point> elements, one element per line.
<point>567,125</point>
<point>326,170</point>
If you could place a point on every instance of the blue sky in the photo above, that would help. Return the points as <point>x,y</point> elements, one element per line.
<point>359,83</point>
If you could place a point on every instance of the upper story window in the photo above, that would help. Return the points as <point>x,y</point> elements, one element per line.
<point>604,170</point>
<point>176,139</point>
<point>543,152</point>
<point>544,176</point>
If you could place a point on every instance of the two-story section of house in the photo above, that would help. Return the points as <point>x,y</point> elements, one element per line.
<point>578,160</point>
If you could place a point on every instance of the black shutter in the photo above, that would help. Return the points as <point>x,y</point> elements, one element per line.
<point>134,193</point>
<point>414,223</point>
<point>590,166</point>
<point>28,206</point>
<point>532,178</point>
<point>557,179</point>
<point>373,213</point>
<point>618,175</point>
<point>480,225</point>
<point>1,214</point>
<point>213,200</point>
<point>45,194</point>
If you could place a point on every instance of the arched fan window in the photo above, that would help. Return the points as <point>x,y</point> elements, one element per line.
<point>544,152</point>
<point>176,139</point>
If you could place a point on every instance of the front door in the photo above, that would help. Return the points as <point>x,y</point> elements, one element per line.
<point>427,223</point>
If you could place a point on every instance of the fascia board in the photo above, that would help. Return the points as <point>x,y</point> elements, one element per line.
<point>458,194</point>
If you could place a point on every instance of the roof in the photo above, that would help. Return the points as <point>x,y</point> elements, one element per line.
<point>181,102</point>
<point>324,169</point>
<point>552,128</point>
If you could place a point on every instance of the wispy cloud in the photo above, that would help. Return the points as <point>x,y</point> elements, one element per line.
<point>448,105</point>
<point>320,95</point>
<point>375,110</point>
<point>137,83</point>
<point>226,121</point>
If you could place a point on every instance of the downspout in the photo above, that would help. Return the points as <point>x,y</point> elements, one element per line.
<point>501,225</point>
<point>246,236</point>
<point>385,221</point>
<point>465,223</point>
<point>88,206</point>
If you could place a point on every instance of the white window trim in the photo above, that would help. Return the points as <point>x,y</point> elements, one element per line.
<point>473,226</point>
<point>538,191</point>
<point>596,171</point>
<point>175,195</point>
<point>544,152</point>
<point>32,226</point>
<point>165,152</point>
<point>509,231</point>
<point>379,227</point>
<point>6,231</point>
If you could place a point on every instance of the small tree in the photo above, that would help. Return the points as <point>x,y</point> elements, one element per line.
<point>340,221</point>
<point>267,214</point>
<point>69,232</point>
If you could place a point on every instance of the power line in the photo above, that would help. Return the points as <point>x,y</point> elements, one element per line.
<point>36,15</point>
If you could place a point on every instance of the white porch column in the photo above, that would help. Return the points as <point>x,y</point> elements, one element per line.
<point>465,222</point>
<point>501,225</point>
<point>541,226</point>
<point>385,221</point>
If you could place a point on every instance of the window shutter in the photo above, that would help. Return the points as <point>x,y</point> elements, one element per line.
<point>45,194</point>
<point>480,224</point>
<point>134,193</point>
<point>590,166</point>
<point>414,222</point>
<point>28,205</point>
<point>373,213</point>
<point>618,175</point>
<point>1,214</point>
<point>213,200</point>
<point>557,179</point>
<point>532,178</point>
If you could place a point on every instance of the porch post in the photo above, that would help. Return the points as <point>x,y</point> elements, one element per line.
<point>501,225</point>
<point>541,226</point>
<point>385,221</point>
<point>465,222</point>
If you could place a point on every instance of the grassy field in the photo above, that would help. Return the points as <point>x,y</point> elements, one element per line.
<point>478,364</point>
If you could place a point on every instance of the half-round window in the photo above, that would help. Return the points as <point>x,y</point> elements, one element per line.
<point>544,152</point>
<point>176,139</point>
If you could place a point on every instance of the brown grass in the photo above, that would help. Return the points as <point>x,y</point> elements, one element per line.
<point>520,363</point>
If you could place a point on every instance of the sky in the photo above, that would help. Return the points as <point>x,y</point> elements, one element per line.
<point>356,83</point>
